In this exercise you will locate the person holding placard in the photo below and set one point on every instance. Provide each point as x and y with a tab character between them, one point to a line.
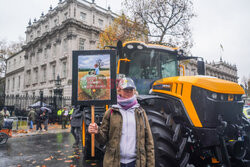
125	130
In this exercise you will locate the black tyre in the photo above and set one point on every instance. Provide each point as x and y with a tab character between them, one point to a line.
170	145
3	138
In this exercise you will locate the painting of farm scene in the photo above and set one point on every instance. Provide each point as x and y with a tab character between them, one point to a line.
94	77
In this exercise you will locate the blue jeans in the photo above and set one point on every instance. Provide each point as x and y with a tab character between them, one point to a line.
131	164
31	124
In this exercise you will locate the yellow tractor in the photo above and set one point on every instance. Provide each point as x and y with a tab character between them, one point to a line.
194	119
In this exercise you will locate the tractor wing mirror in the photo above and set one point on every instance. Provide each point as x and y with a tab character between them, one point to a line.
119	49
201	67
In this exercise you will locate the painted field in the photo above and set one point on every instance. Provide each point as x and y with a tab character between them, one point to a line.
102	93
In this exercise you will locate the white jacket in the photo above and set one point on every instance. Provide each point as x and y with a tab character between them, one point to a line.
128	137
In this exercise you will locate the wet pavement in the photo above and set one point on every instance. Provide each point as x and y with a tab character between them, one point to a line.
43	150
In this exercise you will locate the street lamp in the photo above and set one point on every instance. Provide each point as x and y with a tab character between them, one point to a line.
41	98
58	81
57	93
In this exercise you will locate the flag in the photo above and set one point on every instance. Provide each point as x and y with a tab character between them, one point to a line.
221	47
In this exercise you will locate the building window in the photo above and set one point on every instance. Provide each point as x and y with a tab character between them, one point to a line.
8	85
100	21
14	62
65	15
44	74
55	22
13	84
29	78
83	16
65	45
46	27
50	92
53	72
19	82
36	76
64	69
37	57
81	44
38	33
45	53
54	50
93	19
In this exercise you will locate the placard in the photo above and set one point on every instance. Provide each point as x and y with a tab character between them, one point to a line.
94	76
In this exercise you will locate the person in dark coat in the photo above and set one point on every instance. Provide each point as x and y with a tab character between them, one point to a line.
76	123
45	117
39	119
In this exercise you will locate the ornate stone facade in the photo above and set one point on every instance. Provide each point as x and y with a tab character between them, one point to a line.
72	25
219	69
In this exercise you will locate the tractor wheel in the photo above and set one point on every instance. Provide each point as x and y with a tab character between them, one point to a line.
170	145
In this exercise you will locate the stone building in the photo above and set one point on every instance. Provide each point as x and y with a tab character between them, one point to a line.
72	25
219	69
14	78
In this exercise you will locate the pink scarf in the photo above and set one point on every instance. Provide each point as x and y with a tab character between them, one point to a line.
126	103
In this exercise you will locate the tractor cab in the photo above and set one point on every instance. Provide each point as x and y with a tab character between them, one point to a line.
145	63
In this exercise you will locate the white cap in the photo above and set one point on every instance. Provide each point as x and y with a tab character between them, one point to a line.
126	83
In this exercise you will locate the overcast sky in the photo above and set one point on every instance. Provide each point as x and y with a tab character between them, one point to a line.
225	22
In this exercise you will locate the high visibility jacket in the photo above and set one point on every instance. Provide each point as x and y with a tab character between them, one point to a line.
59	112
246	113
71	111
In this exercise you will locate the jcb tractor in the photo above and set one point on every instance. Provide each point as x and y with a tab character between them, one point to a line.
194	120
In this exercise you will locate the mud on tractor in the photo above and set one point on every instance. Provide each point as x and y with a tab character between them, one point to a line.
194	119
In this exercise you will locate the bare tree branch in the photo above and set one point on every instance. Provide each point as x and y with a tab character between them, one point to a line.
167	20
7	49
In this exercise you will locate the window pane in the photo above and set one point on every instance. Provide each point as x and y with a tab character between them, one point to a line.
81	43
83	16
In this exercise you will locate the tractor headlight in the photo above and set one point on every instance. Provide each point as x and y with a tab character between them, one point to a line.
214	95
222	97
130	46
139	47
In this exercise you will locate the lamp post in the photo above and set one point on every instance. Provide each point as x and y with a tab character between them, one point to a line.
41	98
57	93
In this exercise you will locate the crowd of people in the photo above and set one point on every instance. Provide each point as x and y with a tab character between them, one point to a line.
40	117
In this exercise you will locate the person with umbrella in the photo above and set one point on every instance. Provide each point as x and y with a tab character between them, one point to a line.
39	119
45	113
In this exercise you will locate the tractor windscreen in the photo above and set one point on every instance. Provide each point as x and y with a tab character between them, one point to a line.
148	65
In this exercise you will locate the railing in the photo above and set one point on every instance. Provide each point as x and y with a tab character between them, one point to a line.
21	102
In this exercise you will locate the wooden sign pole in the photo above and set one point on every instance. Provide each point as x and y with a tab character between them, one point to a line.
92	135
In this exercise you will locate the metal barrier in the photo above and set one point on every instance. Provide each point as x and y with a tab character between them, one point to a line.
20	123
